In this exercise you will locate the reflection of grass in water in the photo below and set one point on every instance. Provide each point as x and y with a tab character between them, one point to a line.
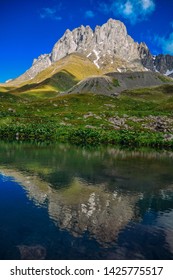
77	192
75	173
35	166
58	179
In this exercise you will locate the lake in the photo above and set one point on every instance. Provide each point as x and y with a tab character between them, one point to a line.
66	202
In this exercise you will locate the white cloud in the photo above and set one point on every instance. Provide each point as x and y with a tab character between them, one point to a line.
128	8
147	4
132	10
166	43
50	13
89	14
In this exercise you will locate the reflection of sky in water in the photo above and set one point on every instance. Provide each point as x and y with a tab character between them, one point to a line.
92	204
165	221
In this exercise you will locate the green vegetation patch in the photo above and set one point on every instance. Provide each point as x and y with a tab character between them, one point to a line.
60	81
115	82
164	79
131	119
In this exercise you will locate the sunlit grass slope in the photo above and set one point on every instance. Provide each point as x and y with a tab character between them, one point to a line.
59	77
77	65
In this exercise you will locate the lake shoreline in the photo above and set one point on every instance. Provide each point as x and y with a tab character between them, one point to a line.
85	136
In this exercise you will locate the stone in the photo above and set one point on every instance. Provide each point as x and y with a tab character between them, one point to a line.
36	252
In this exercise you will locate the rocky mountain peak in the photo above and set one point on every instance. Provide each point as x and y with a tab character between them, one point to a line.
109	47
42	58
115	24
38	65
157	63
146	57
102	46
164	64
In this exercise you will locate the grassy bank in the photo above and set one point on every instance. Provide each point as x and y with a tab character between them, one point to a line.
84	136
141	117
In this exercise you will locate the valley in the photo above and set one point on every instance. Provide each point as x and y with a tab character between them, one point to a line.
86	133
93	88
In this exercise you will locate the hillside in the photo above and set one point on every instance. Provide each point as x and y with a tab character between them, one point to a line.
114	83
98	84
77	74
140	117
58	77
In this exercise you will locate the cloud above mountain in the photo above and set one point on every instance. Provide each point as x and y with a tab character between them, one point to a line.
165	42
50	13
131	10
89	14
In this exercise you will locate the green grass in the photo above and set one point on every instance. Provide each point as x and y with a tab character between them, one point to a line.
48	88
115	82
75	65
86	118
164	79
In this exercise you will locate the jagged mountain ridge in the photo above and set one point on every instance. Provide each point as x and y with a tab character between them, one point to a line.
156	63
102	46
109	47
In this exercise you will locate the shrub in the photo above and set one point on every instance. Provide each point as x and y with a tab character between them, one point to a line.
84	136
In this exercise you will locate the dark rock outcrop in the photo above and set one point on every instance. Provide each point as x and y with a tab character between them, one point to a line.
158	63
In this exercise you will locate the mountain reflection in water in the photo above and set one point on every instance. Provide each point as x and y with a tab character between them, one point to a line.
121	200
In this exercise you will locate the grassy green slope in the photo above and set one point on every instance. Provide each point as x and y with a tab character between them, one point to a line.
48	88
137	117
75	64
159	99
60	76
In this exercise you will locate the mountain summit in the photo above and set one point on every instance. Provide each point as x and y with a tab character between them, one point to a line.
107	44
109	47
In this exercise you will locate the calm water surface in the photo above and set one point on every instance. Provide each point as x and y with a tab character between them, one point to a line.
63	202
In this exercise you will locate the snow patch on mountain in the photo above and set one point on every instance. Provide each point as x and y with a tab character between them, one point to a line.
168	72
97	58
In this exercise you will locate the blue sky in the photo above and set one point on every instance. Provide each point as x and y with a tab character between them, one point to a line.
29	28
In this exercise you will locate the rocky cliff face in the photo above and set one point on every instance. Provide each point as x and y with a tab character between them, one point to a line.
103	46
109	47
38	65
146	57
164	64
159	63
